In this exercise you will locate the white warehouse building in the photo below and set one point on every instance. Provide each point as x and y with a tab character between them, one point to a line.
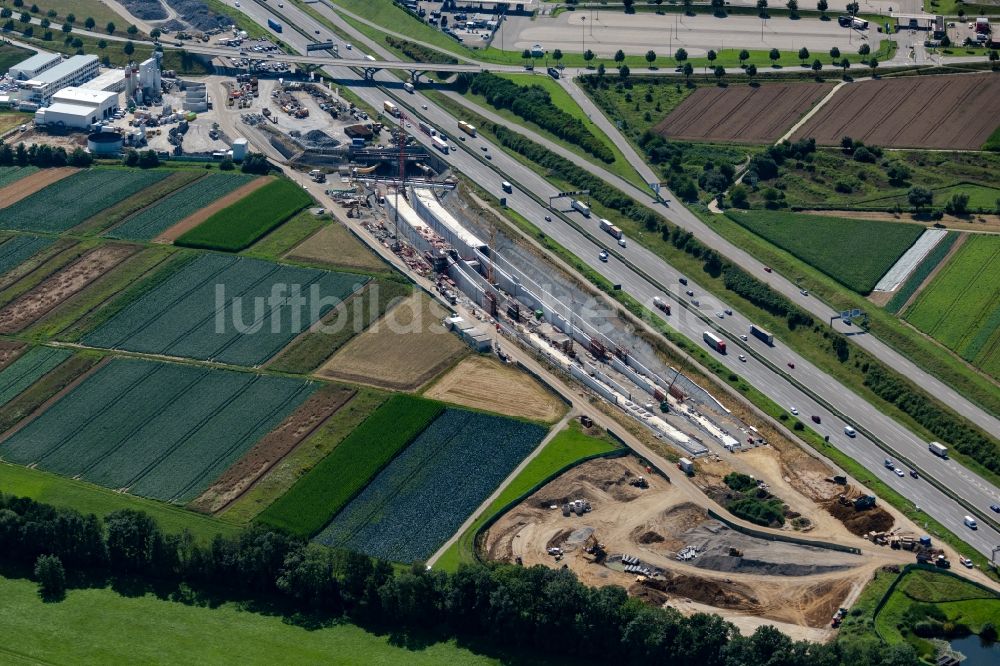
78	108
33	66
71	72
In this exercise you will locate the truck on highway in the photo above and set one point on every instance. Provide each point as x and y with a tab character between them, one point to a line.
467	128
427	129
440	144
610	228
408	87
507	187
582	207
938	449
762	335
390	108
274	25
715	342
661	305
859	24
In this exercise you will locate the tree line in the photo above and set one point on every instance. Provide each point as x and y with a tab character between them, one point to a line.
43	156
537	610
534	104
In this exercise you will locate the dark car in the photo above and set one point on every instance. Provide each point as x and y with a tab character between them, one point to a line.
995	507
816	418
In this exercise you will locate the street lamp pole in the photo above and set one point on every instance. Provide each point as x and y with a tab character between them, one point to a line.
583	33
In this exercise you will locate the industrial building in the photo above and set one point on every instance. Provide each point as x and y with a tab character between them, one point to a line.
78	108
33	66
71	72
112	80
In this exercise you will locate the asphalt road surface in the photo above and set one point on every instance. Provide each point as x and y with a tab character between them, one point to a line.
489	174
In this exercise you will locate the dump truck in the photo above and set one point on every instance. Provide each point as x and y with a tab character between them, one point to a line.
938	449
715	342
467	128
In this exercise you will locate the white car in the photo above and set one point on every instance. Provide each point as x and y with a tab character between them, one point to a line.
621	242
743	358
603	256
424	107
900	473
850	432
720	315
966	562
794	411
743	338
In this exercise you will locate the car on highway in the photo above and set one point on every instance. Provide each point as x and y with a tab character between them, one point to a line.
621	242
424	107
804	292
768	269
995	507
728	312
794	411
682	280
816	419
850	432
603	256
900	473
743	358
548	218
483	148
317	32
914	474
720	315
791	365
743	338
695	302
689	292
488	156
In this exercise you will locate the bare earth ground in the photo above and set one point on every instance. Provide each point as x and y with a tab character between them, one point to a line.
9	350
30	184
772	580
277	444
741	113
60	286
403	350
484	383
334	245
192	221
911	112
979	222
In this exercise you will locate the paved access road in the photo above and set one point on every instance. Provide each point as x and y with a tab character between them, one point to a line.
489	173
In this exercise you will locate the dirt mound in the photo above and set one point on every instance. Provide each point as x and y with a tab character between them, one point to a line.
147	10
735	596
650	537
199	16
823	600
861	523
558	538
732	564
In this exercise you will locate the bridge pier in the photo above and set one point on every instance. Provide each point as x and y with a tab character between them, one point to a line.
415	75
370	72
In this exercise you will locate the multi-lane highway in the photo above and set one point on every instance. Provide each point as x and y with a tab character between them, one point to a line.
643	275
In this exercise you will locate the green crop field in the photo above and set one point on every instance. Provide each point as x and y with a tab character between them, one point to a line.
171	209
182	315
12	174
87	628
854	252
279	242
240	225
961	307
88	498
569	446
68	202
321	493
17	249
27	369
162	430
920	273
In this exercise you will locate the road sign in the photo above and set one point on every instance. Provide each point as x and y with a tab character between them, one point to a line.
319	46
571	194
846	314
856	313
656	187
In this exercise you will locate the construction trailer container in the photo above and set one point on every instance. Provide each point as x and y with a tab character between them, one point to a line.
610	228
582	207
440	144
938	449
467	128
685	466
390	108
761	334
715	342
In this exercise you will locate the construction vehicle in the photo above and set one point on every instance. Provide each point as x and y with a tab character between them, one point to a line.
639	482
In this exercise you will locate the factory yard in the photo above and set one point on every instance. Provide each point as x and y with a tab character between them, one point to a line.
483	383
608	31
403	350
742	114
943	112
702	561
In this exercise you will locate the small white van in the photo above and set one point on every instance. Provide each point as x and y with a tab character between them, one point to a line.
849	431
970	522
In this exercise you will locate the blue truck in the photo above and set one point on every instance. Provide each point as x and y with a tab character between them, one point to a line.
274	25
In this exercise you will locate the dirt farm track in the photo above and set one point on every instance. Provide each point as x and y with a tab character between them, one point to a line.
741	114
954	111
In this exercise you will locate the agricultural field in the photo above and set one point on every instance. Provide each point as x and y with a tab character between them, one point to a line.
331	484
72	200
742	114
182	316
910	112
152	221
289	235
961	306
424	495
48	385
10	55
403	350
158	430
920	273
482	382
144	198
571	445
335	246
32	183
11	174
855	252
18	248
241	224
27	369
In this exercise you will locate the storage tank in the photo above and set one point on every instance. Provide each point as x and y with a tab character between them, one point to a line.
104	143
239	149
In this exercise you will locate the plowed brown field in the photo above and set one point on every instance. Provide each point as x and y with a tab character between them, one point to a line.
742	114
956	111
